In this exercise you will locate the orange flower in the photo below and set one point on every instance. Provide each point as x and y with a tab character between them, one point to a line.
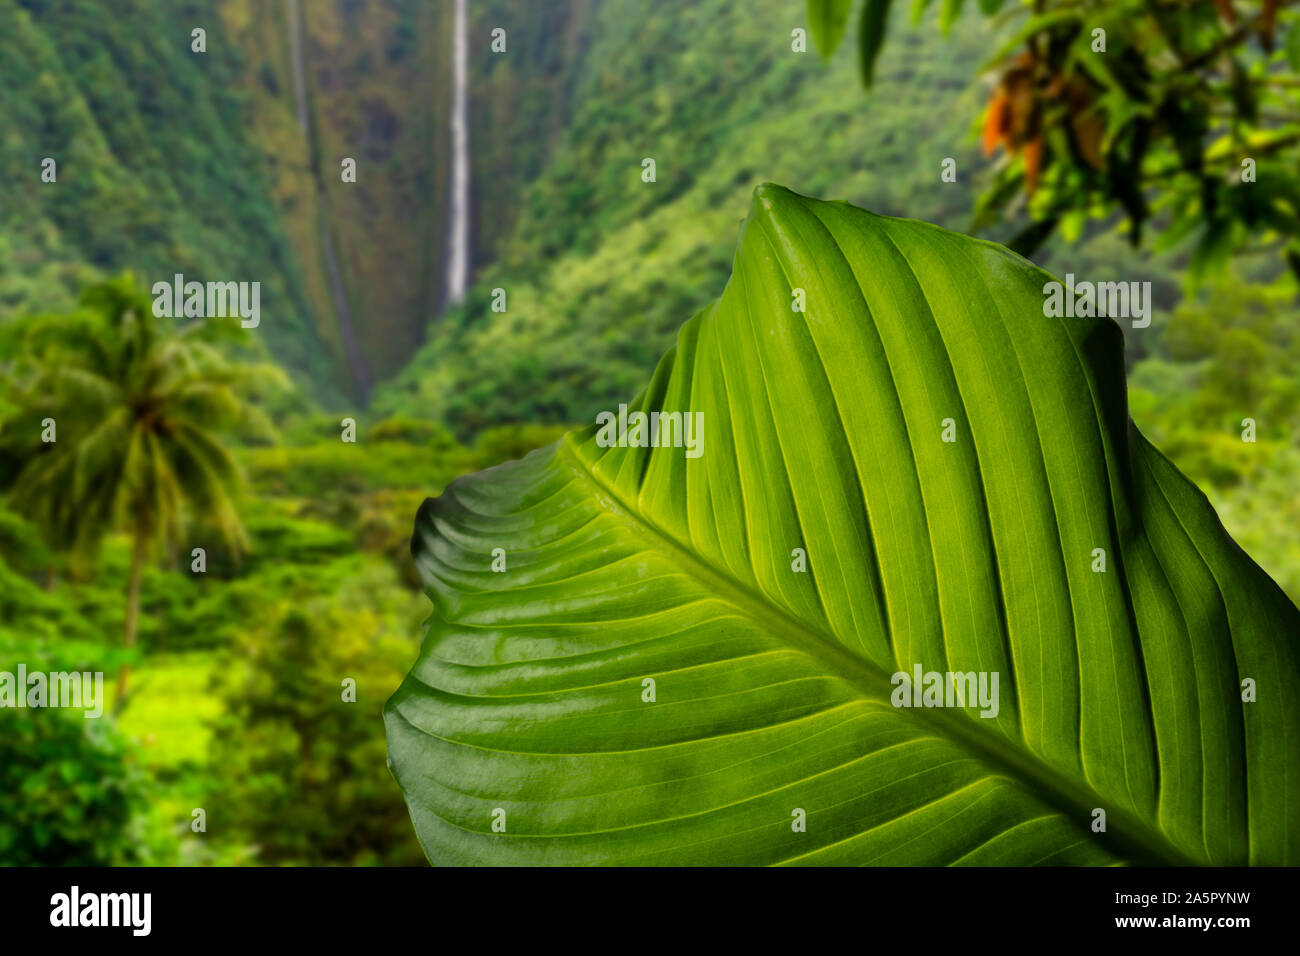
995	123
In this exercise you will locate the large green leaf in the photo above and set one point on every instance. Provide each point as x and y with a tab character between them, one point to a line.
1120	689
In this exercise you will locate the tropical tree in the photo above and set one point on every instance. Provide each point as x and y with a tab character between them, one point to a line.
114	421
1181	114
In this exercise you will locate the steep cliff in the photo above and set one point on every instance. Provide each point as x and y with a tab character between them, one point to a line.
228	163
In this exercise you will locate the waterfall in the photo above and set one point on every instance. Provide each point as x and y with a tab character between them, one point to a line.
458	235
295	50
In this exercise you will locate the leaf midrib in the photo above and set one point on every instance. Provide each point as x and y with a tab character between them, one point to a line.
1127	835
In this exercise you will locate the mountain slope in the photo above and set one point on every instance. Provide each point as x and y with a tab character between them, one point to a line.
155	170
176	161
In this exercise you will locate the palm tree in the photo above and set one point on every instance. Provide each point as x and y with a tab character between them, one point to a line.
138	406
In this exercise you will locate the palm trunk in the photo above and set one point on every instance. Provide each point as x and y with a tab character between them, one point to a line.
132	609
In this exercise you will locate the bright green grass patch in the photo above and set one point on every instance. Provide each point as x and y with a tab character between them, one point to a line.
171	709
